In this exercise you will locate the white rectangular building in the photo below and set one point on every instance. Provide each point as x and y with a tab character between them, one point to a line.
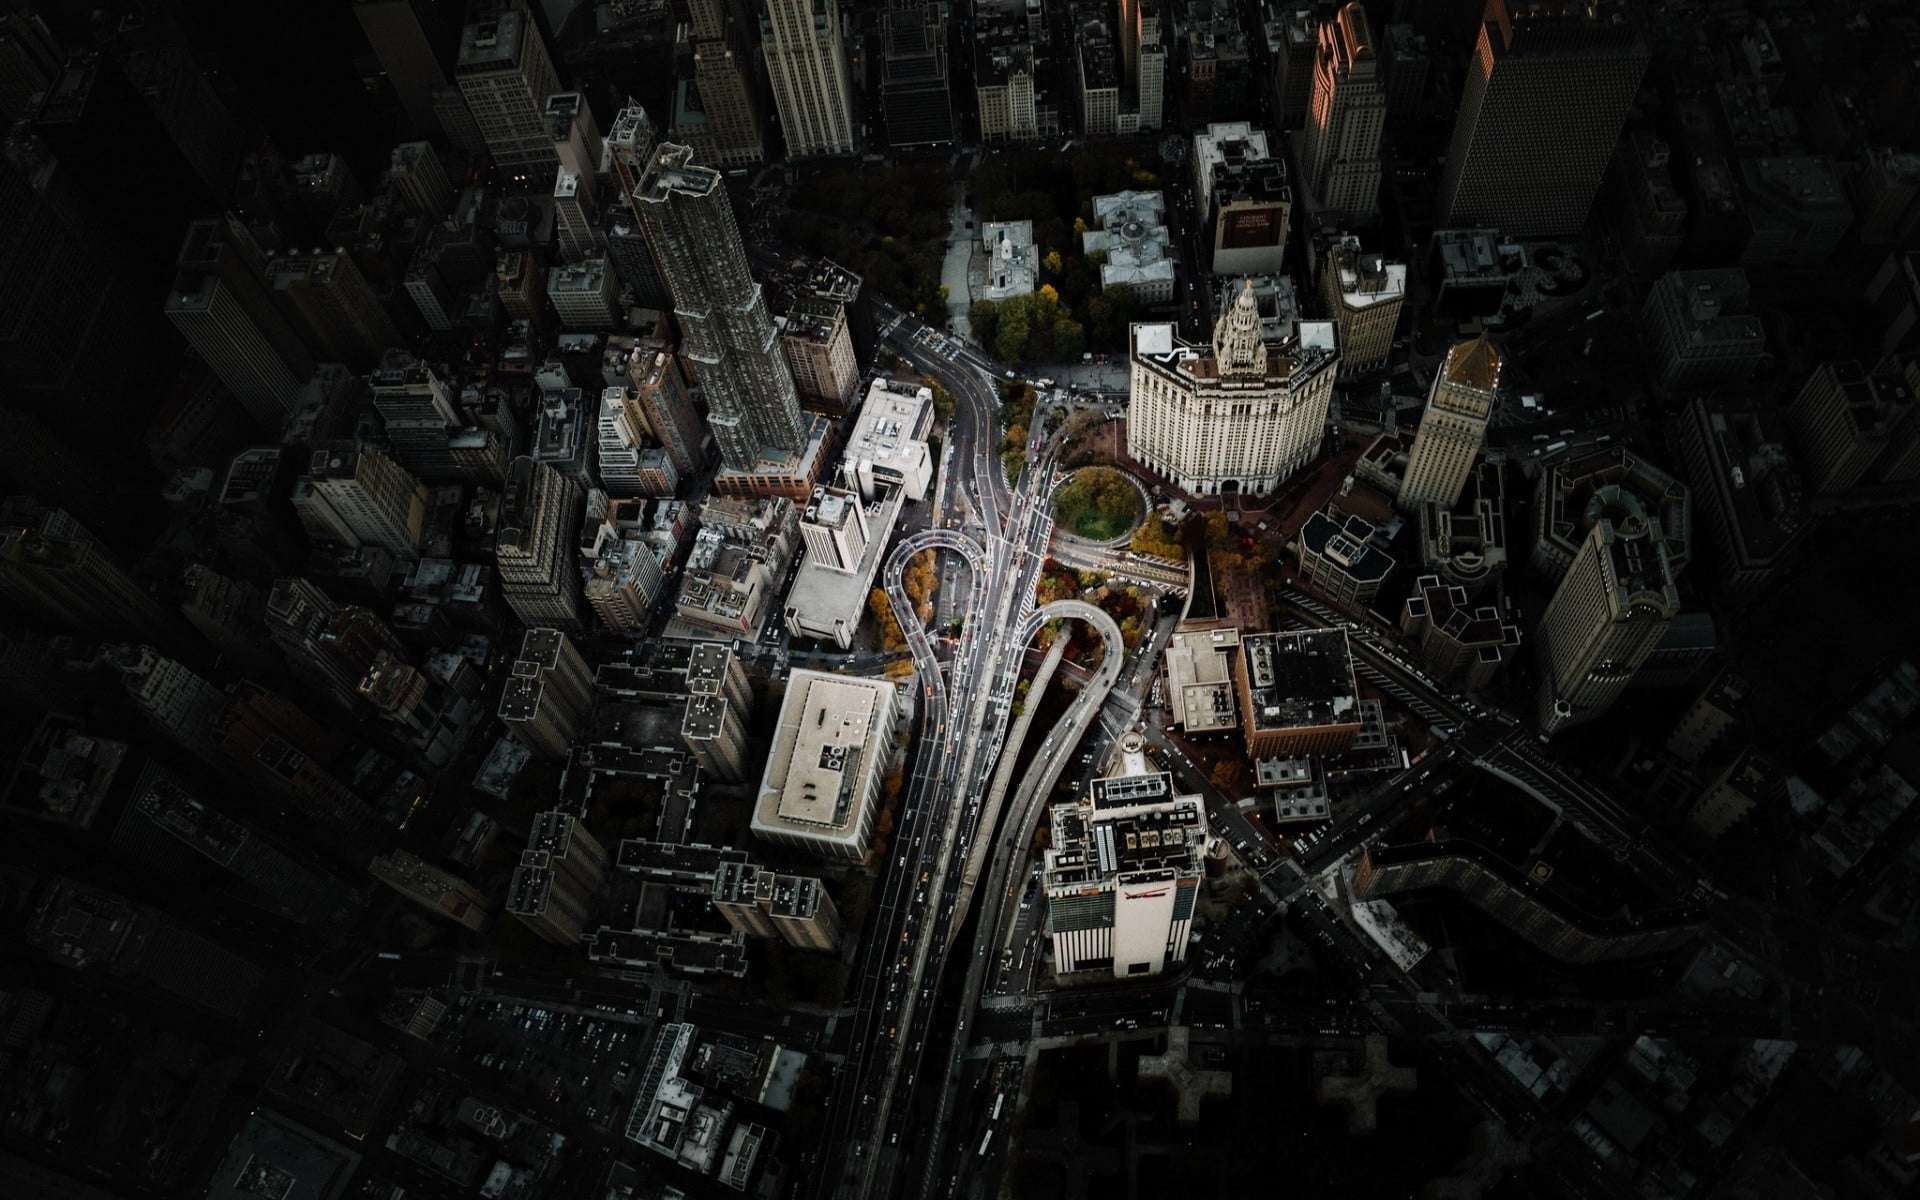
888	445
822	789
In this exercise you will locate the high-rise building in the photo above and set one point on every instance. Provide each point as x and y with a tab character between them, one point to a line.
821	791
1609	612
1098	64
1236	416
1240	193
631	463
1702	331
406	37
914	89
729	120
533	550
230	613
1122	871
583	294
819	350
1462	644
270	743
658	388
624	570
1582	485
760	903
505	75
450	107
1363	293
329	303
1293	64
30	60
418	410
53	567
550	695
1845	417
1004	89
560	877
414	174
180	703
801	42
1747	489
1339	558
1341	155
328	646
1404	65
1454	426
1522	158
220	305
440	892
726	332
1714	714
370	494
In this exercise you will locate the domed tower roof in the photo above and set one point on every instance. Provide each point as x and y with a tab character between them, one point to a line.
1237	347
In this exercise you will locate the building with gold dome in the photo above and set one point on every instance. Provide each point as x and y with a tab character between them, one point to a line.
1236	416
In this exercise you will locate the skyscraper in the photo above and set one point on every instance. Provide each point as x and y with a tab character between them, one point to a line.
729	126
433	889
1608	614
183	705
560	876
1363	294
221	306
1524	158
404	36
1845	417
1453	427
726	331
372	495
533	551
808	63
1236	416
549	697
506	76
329	303
1342	154
417	409
51	566
914	93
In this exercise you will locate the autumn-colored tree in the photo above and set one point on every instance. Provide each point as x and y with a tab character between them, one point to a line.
891	636
1051	263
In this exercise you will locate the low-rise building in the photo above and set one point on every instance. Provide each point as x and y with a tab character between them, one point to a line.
1133	237
1339	559
1199	680
1013	260
1297	693
846	543
1299	789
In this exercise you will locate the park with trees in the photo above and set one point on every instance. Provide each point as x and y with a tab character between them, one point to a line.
1097	503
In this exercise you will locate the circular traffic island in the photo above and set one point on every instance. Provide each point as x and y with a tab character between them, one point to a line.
1099	504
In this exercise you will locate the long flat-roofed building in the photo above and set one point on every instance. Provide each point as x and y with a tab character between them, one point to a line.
1199	679
1123	870
761	903
1237	416
821	792
1297	693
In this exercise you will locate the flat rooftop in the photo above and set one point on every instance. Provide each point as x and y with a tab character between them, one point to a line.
1299	679
825	726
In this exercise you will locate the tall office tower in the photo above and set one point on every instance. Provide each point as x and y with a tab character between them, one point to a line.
253	521
576	135
372	495
463	132
1097	66
718	110
30	60
1454	426
1845	417
230	613
52	567
658	386
506	76
1148	74
821	789
163	805
533	551
328	302
623	574
1703	330
219	304
271	743
521	285
158	59
1240	191
584	294
1363	293
726	332
415	174
630	463
1003	88
1463	644
914	91
418	412
633	258
324	186
180	703
802	45
440	892
819	350
834	526
715	730
1748	491
1236	416
1405	65
328	646
1122	872
406	37
1293	66
425	714
759	903
549	697
561	874
1342	151
1522	158
1607	616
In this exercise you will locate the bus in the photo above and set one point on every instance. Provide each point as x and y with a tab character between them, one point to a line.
985	1142
997	1102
